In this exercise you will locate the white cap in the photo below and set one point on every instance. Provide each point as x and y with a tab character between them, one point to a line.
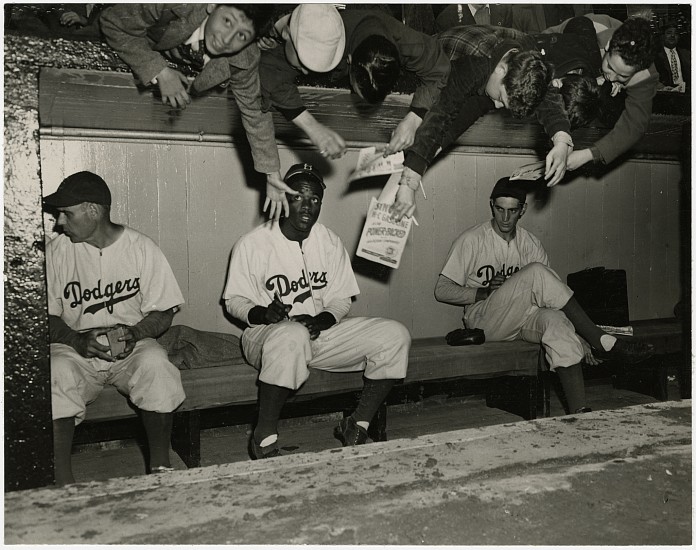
318	35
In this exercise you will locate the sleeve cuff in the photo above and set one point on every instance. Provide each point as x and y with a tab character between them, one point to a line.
420	111
291	114
415	162
596	156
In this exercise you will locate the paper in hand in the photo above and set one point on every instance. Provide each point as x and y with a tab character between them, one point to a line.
372	163
383	240
532	171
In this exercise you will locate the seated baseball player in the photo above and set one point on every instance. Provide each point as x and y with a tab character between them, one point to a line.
367	51
500	273
216	45
105	279
292	283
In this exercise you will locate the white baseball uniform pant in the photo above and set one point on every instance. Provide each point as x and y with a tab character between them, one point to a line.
527	307
146	376
284	353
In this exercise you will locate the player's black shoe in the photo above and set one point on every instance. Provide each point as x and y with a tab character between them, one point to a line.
257	452
629	351
349	433
582	410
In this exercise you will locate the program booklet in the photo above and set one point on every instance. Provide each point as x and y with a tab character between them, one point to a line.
383	240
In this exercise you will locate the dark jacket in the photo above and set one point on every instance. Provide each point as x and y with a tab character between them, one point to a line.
664	67
454	15
419	54
482	41
462	101
535	16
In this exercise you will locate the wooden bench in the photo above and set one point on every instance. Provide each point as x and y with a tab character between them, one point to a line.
430	359
650	377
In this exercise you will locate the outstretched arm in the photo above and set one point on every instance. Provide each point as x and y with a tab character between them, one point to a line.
330	143
633	122
456	110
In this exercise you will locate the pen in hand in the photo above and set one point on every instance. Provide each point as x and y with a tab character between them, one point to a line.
276	297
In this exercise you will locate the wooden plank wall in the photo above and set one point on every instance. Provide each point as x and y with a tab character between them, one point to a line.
194	201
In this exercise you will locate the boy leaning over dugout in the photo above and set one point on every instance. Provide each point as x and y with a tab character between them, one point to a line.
376	48
619	55
575	45
510	77
218	43
627	54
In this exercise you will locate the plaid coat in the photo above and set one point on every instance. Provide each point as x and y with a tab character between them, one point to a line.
462	101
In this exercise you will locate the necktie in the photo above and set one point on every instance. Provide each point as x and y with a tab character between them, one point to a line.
483	16
675	65
193	57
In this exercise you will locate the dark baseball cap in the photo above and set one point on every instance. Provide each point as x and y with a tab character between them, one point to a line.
78	188
306	170
506	188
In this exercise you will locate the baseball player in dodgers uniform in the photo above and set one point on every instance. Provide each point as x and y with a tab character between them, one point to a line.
292	283
500	274
103	275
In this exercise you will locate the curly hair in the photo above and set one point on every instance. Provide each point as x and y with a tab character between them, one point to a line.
526	81
634	43
375	67
581	98
261	15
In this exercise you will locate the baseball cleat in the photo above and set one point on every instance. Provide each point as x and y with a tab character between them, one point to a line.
349	433
629	351
257	452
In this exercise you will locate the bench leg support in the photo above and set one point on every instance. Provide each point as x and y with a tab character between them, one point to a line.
186	437
514	394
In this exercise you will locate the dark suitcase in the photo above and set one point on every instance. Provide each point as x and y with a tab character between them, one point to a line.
603	294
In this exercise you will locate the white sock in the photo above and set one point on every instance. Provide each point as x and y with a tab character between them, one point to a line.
363	424
269	440
607	341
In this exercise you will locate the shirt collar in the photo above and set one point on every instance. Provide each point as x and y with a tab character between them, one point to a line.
195	39
473	10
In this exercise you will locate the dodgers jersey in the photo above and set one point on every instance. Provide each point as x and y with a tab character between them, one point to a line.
308	275
480	253
91	288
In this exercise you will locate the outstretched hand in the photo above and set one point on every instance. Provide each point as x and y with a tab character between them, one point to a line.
276	198
405	200
556	163
404	134
173	87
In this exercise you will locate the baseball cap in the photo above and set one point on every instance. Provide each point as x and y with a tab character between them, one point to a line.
306	169
318	36
506	188
78	188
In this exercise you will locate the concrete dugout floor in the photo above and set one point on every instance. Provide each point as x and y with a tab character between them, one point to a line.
610	477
